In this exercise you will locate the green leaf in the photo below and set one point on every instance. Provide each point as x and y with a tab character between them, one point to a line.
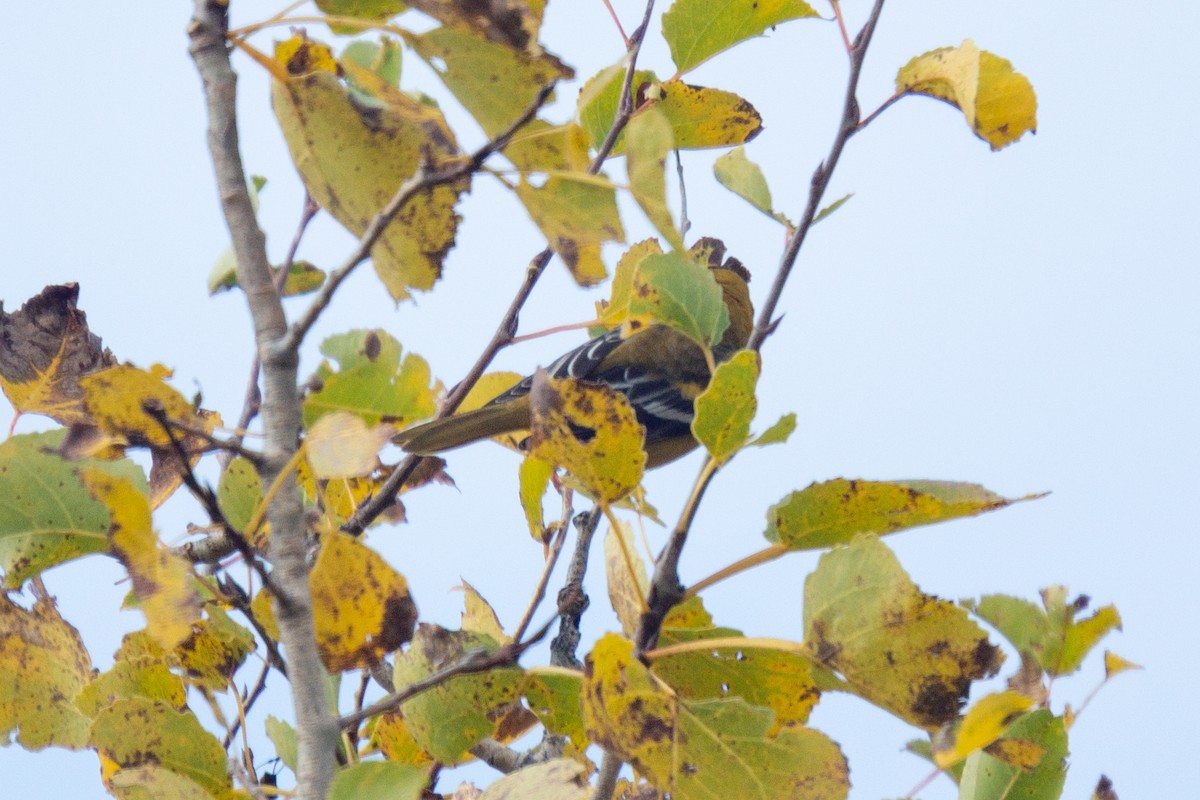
379	780
833	512
726	408
40	528
134	732
494	82
905	651
453	717
685	296
372	381
649	140
986	777
534	478
702	748
998	102
239	493
762	676
283	736
744	178
777	433
553	693
697	30
832	207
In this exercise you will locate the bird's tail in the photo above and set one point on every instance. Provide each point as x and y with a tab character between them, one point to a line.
462	429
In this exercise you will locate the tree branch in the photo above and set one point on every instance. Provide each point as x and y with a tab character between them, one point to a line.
820	179
316	728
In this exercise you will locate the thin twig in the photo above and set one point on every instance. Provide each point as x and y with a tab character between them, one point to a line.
625	106
606	780
685	224
229	446
620	29
539	592
851	118
246	704
422	181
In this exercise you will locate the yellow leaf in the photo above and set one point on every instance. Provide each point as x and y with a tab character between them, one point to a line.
701	117
353	159
985	722
162	582
480	617
627	282
590	431
998	103
361	606
534	478
1114	664
115	399
390	735
627	588
576	213
43	664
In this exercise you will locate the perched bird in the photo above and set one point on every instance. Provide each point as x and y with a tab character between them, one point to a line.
660	370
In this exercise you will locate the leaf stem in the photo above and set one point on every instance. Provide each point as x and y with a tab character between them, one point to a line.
764	556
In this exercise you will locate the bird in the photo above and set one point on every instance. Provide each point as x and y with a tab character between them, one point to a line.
660	371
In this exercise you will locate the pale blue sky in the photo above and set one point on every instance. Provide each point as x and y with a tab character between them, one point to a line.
1027	320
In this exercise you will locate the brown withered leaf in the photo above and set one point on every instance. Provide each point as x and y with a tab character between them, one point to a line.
45	348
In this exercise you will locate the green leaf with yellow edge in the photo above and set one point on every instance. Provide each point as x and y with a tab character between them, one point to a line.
152	782
390	735
702	118
362	609
542	147
382	58
379	780
576	214
239	493
628	583
696	30
361	9
372	381
454	716
114	399
706	748
777	433
40	529
835	511
986	777
1052	636
215	650
283	736
559	779
985	722
744	178
648	140
627	281
134	732
162	581
905	651
998	103
762	676
341	445
479	616
143	676
43	664
494	82
533	479
353	158
726	408
553	693
590	431
683	295
598	101
48	348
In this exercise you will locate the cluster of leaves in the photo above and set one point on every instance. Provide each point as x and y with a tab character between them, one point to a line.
705	711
